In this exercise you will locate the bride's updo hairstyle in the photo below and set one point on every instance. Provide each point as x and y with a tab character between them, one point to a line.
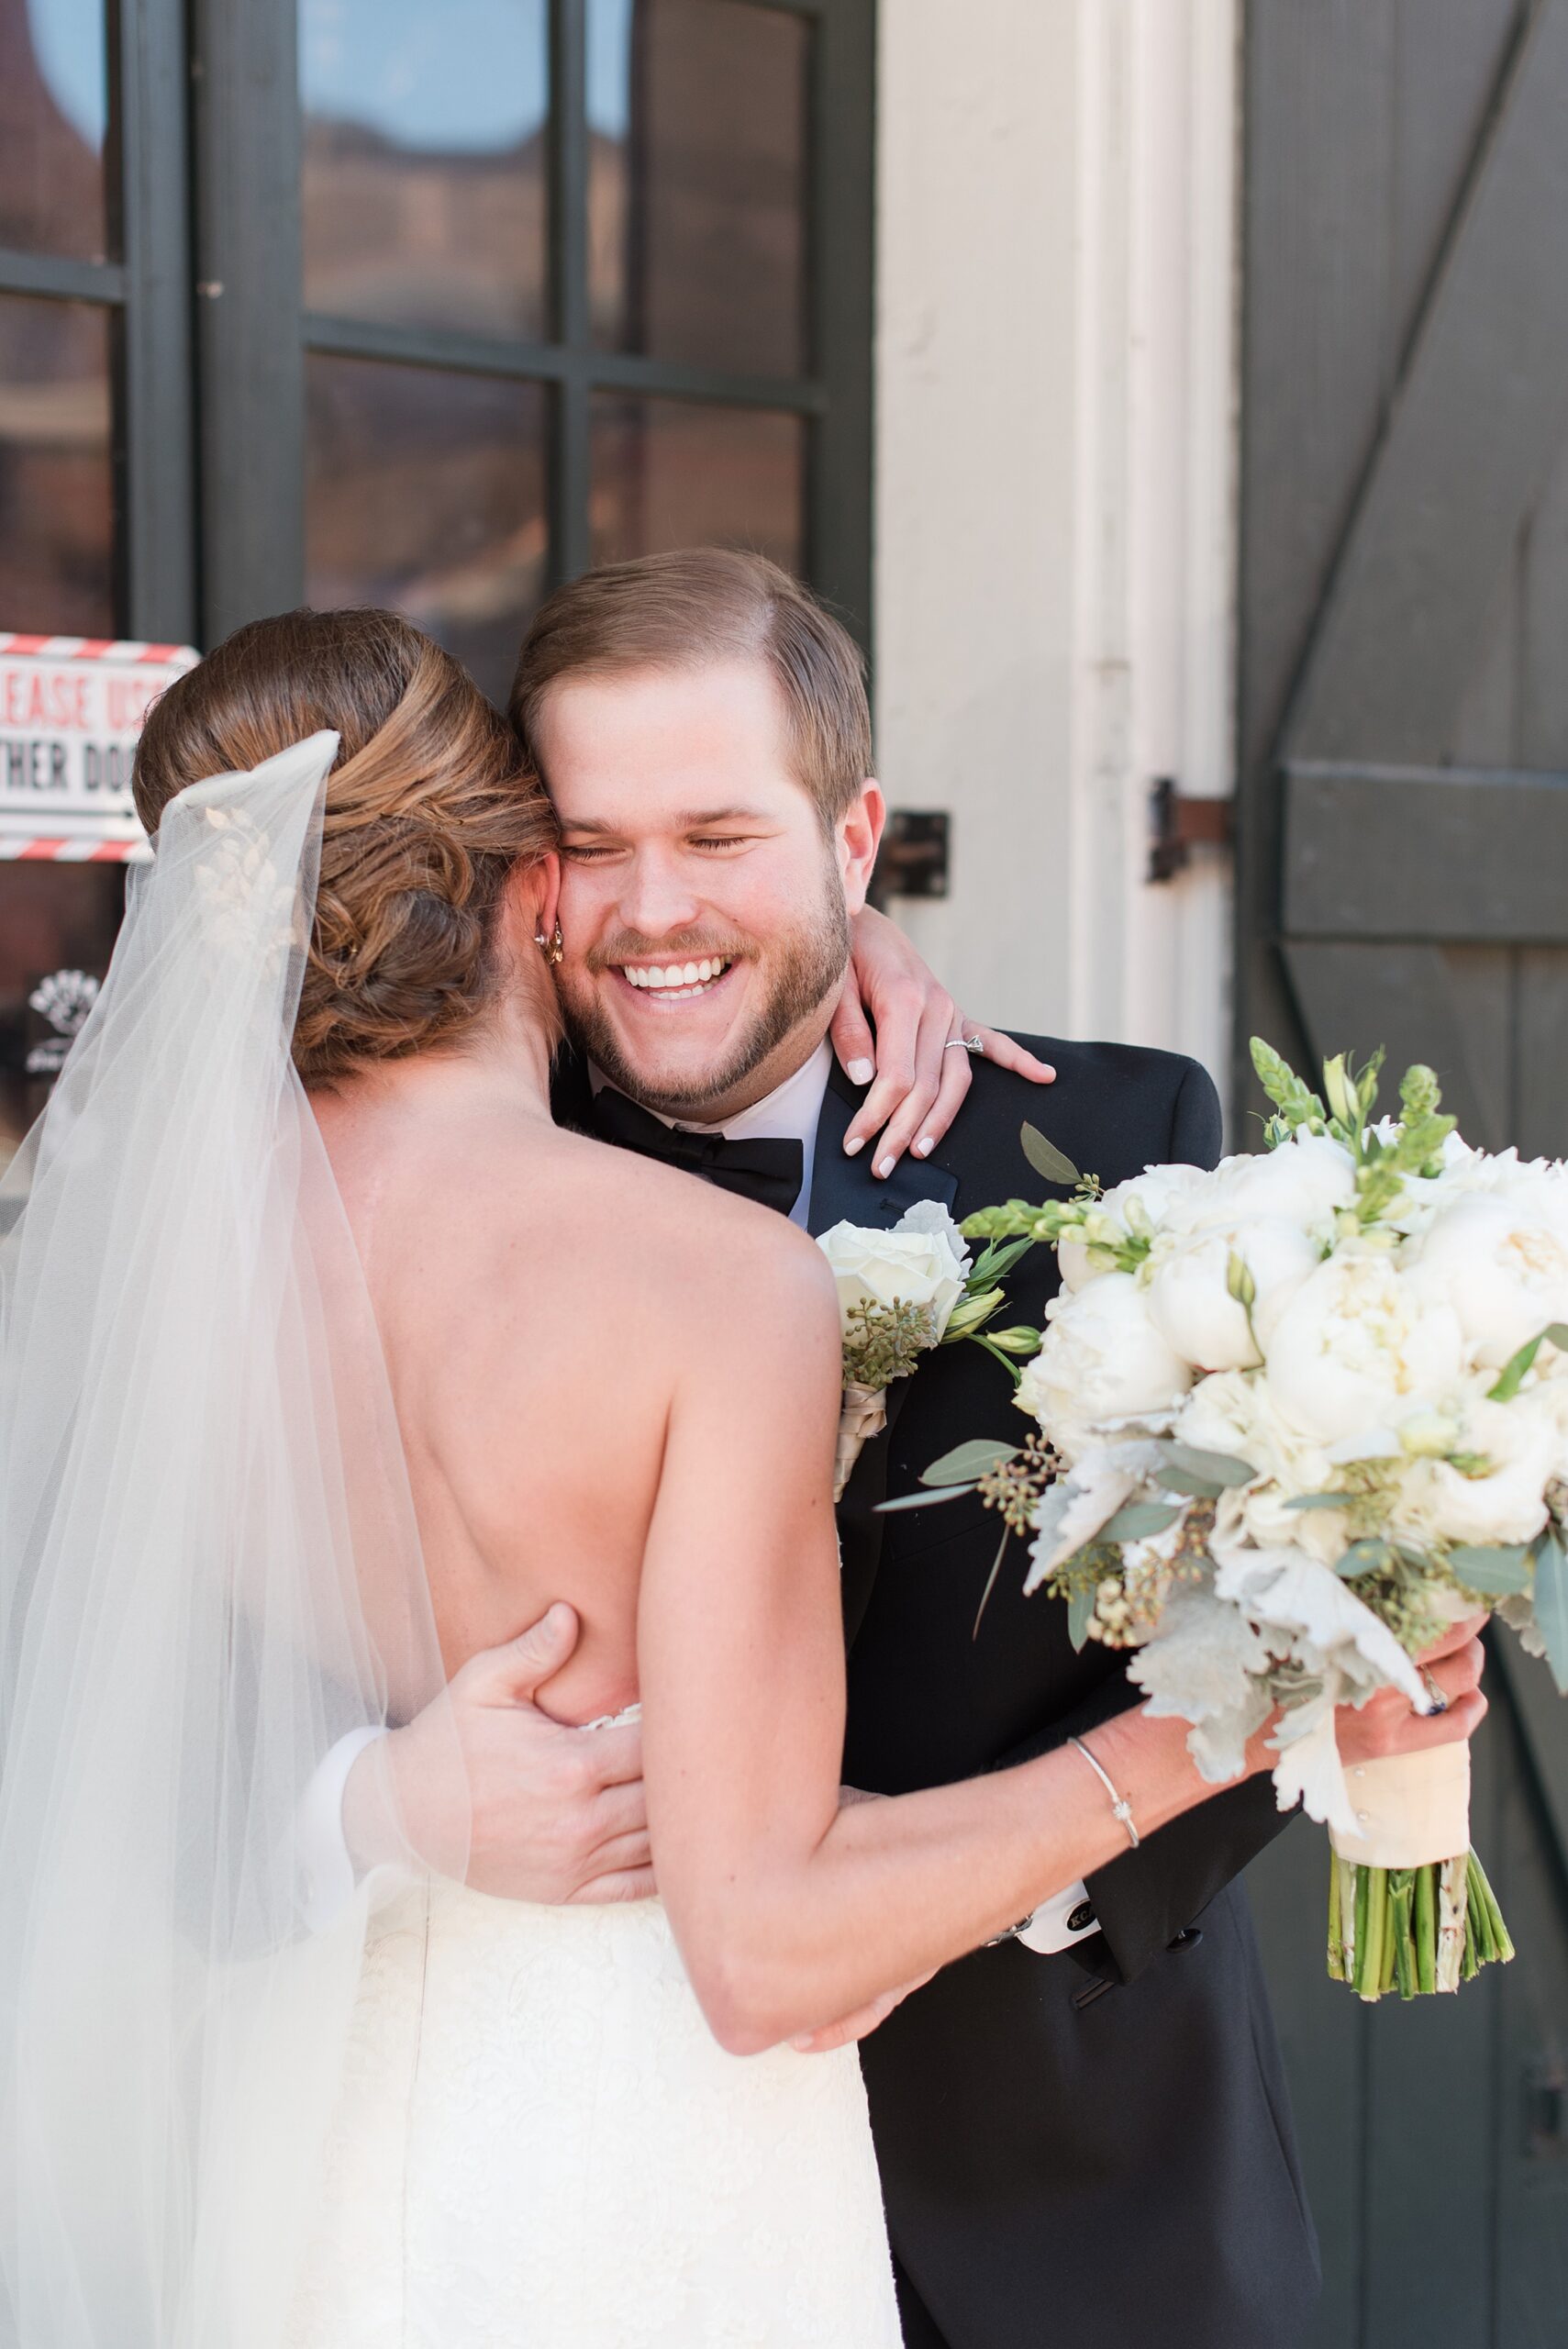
429	804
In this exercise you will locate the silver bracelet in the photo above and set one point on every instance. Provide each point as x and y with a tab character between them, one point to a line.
1120	1806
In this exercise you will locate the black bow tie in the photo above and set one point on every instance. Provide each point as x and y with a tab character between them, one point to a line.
763	1167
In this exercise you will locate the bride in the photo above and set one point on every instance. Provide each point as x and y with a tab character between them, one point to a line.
328	1359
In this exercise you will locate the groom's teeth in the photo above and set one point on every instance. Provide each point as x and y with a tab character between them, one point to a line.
675	976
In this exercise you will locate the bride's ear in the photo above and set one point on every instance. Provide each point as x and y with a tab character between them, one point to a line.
531	901
546	878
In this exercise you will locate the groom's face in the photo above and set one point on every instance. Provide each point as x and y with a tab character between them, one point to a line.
704	908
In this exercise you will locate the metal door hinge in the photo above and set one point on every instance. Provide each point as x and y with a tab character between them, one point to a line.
1178	824
913	858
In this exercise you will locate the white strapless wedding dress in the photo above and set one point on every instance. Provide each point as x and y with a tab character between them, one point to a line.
539	2145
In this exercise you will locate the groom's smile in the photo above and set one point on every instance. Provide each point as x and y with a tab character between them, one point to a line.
705	906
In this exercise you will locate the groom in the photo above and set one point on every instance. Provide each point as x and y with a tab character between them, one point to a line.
1081	2133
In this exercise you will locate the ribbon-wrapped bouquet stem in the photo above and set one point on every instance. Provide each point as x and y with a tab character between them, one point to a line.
1297	1417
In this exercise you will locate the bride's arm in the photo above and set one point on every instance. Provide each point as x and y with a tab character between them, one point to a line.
791	1911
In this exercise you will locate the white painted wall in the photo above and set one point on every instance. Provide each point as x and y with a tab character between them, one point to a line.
1054	495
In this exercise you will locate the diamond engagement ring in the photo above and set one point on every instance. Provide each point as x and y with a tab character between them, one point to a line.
965	1044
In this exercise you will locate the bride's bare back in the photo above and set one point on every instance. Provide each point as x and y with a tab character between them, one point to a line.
539	1296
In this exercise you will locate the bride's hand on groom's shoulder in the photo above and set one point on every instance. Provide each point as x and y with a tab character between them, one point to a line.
892	1031
549	1814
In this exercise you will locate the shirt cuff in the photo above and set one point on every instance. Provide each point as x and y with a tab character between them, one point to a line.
327	1877
1067	1917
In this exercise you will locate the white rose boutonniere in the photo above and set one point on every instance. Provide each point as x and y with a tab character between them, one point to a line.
901	1293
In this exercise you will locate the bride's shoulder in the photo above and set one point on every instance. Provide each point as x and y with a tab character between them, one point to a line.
717	1263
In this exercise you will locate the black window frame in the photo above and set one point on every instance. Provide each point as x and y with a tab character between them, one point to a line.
253	333
147	295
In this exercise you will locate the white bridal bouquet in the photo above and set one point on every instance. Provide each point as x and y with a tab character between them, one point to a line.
1296	1418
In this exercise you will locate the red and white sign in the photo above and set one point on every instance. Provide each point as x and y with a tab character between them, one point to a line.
71	709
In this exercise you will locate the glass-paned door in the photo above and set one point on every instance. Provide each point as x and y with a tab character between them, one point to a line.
577	280
61	288
97	537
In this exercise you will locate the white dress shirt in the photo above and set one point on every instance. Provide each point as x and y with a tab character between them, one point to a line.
793	1111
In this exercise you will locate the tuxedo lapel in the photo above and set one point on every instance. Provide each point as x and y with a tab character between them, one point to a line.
844	1190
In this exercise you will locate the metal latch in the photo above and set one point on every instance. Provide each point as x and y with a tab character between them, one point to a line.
1178	824
913	858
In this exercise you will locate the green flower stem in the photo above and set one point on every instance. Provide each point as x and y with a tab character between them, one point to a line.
1426	1932
1401	1906
1417	1930
1501	1937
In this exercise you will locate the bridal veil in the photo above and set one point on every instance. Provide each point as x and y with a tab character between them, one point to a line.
210	1573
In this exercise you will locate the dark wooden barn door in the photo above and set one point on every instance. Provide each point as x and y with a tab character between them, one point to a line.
1403	879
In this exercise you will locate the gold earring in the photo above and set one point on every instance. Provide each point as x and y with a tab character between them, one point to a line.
552	949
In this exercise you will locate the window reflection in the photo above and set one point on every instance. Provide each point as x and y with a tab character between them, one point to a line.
427	492
52	917
697	114
56	486
53	112
425	185
683	473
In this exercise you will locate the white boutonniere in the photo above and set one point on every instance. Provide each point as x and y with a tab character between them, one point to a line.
901	1293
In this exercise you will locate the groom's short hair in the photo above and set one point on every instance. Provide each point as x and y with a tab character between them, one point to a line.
701	605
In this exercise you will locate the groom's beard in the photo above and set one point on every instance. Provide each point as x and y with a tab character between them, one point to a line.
803	971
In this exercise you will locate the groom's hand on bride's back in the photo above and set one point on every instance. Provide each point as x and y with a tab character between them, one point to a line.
551	1813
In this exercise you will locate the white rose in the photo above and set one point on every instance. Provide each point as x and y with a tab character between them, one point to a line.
1524	1441
1102	1360
1503	1270
921	1262
1359	1346
1306	1181
1189	1290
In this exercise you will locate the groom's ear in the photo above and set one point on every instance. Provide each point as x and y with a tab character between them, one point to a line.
857	836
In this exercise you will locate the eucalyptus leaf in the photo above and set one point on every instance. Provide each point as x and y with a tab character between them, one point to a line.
1320	1500
1492	1569
1221	1468
924	1500
1138	1520
1080	1611
1052	1164
968	1461
1195	1488
1363	1558
1552	1604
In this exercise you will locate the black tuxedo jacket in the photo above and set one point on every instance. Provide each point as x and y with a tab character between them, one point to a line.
1092	2148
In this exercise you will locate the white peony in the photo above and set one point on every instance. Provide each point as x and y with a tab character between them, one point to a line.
1237	1415
1189	1291
1503	1270
1102	1360
1359	1345
1523	1441
921	1262
1138	1205
1306	1181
